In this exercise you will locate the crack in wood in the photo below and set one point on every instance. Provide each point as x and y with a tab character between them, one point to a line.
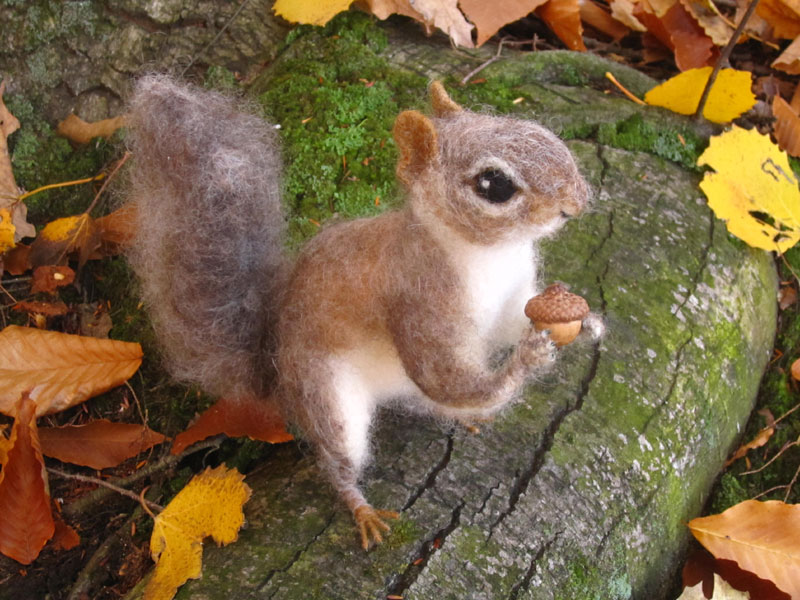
523	584
430	480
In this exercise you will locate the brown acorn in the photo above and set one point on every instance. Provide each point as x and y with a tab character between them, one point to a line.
559	311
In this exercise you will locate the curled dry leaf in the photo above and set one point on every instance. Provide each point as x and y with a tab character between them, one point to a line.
787	126
26	522
8	186
251	417
708	17
782	15
762	537
50	278
761	438
789	60
79	131
593	15
787	296
564	18
210	505
59	369
99	444
623	11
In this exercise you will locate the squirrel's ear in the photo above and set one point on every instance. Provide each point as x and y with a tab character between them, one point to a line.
417	141
443	105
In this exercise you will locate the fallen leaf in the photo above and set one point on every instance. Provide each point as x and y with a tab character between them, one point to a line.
250	417
64	537
789	59
787	126
79	131
762	437
708	17
99	444
117	229
753	189
730	96
17	261
310	12
762	537
564	18
783	15
383	9
593	15
210	505
7	231
622	11
488	20
795	370
65	236
94	320
701	566
50	278
48	309
787	296
8	186
26	522
59	369
722	591
444	15
678	30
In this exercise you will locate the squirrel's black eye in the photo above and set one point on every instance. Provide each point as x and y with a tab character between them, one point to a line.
495	186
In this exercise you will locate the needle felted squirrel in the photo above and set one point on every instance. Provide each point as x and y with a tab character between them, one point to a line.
408	307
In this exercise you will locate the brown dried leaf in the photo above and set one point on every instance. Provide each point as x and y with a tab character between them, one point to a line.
79	131
787	126
488	20
787	296
94	320
789	60
592	14
444	15
48	309
678	30
707	16
622	11
254	418
65	537
50	278
60	370
117	229
17	260
761	438
564	18
384	8
26	522
99	444
762	537
795	370
64	236
8	125
783	15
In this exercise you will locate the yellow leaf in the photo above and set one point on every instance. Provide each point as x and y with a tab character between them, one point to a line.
310	12
209	505
60	370
730	95
762	537
63	236
7	230
753	190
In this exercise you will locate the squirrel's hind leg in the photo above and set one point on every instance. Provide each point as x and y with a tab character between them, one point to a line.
336	413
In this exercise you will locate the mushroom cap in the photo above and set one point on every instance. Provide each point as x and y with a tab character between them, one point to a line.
556	305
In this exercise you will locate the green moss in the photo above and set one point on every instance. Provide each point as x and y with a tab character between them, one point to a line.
220	78
682	146
336	130
587	582
728	492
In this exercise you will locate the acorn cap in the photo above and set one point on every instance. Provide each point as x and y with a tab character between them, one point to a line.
556	305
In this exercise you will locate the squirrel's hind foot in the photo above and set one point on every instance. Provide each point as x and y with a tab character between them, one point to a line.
371	522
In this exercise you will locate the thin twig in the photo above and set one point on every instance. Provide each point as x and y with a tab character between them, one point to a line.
723	59
482	66
770	490
216	37
791	483
786	414
53	186
111	175
167	461
786	446
101	482
627	93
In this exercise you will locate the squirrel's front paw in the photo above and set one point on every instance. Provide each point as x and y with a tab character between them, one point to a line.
371	522
537	349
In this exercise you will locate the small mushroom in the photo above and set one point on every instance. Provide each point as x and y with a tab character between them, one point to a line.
559	311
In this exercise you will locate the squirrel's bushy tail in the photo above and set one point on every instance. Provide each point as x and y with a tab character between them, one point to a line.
209	248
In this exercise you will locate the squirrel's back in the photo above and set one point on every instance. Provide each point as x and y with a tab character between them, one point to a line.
209	248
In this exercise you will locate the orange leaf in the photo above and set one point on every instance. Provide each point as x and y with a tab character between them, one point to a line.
79	131
789	60
17	260
762	537
701	566
25	519
50	278
796	370
488	20
60	370
761	438
678	30
98	444
65	537
564	18
783	15
592	14
65	236
254	418
117	229
787	126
